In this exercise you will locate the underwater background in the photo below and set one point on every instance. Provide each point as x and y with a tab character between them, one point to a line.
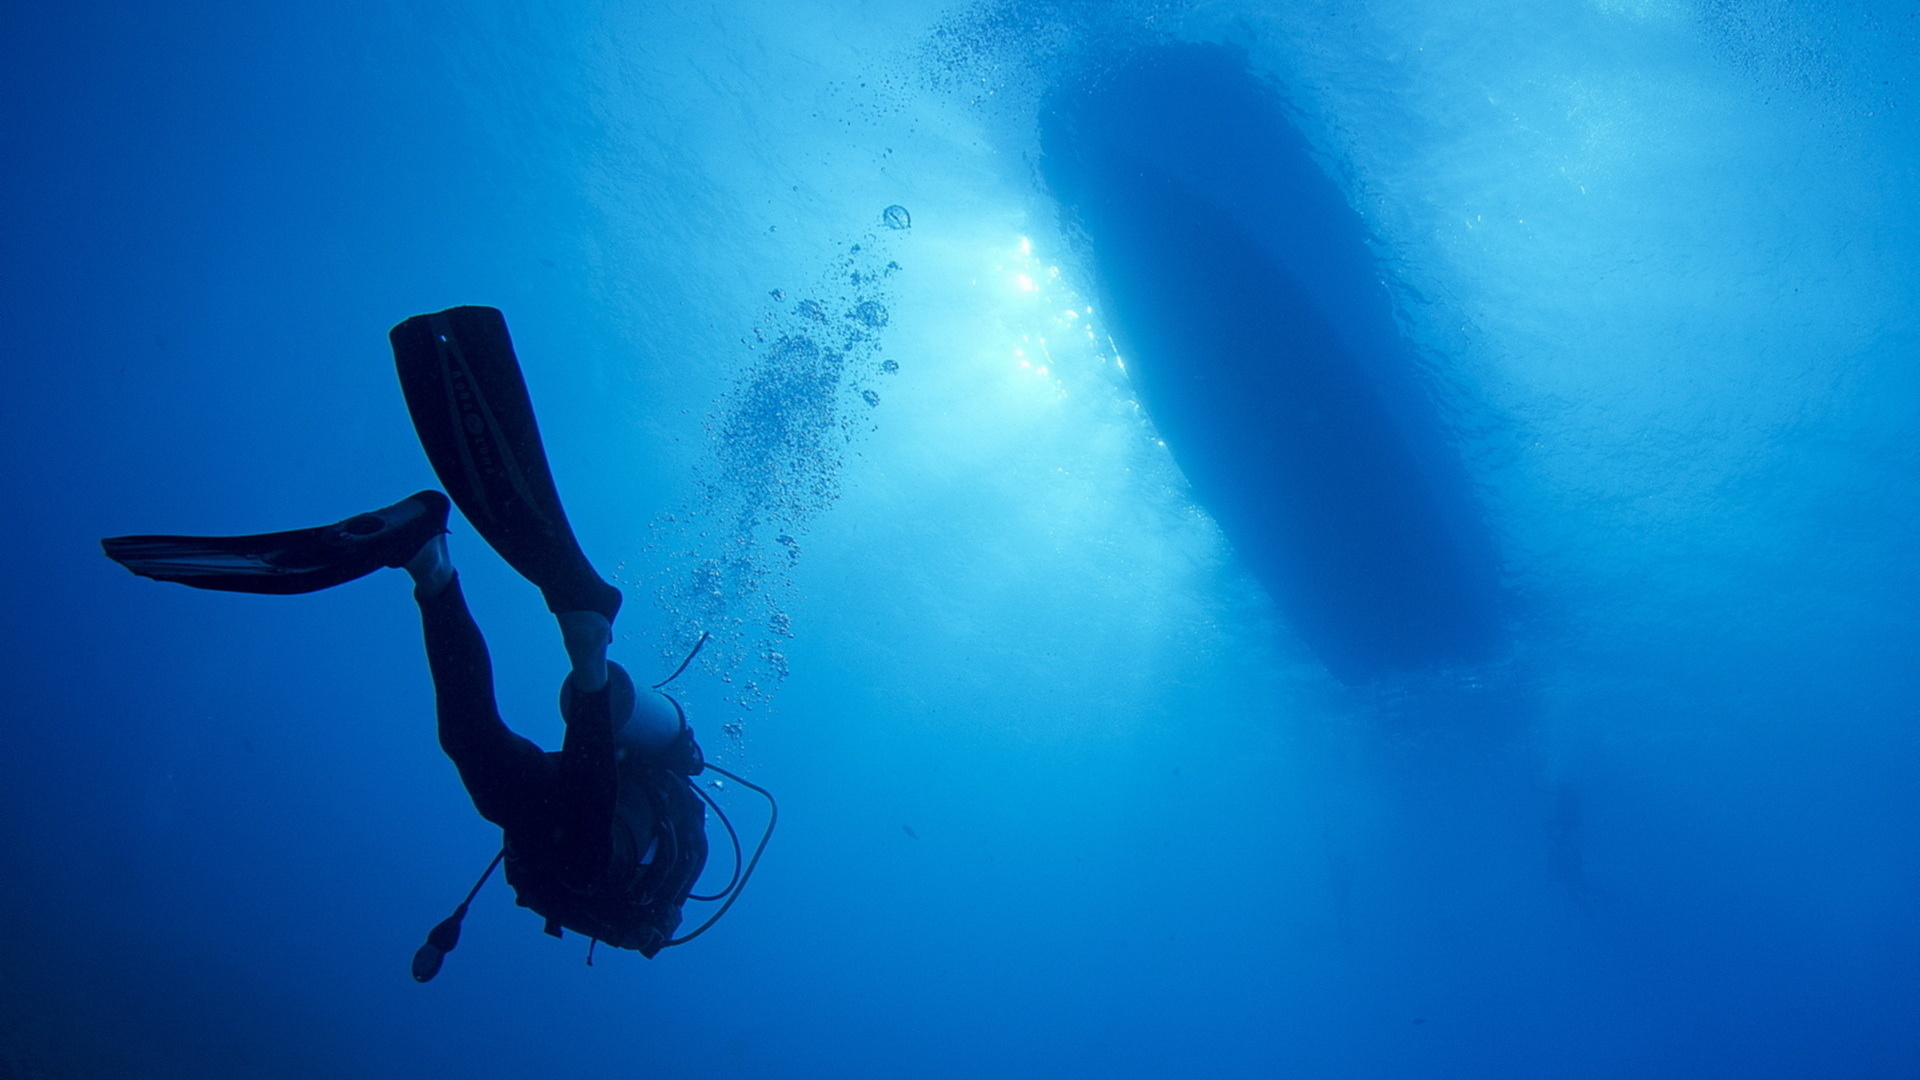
831	364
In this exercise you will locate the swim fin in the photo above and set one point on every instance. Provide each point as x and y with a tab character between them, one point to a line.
296	561
475	420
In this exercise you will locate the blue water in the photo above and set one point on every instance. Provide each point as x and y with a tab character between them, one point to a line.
1067	786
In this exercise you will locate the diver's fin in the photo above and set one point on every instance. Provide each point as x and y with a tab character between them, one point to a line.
297	561
474	418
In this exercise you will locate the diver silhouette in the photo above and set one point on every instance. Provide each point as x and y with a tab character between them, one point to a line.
606	836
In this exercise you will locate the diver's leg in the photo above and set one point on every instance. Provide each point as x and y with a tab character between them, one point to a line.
514	784
651	724
504	773
586	635
431	567
587	784
599	702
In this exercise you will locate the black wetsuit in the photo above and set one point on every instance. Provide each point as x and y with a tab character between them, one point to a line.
601	846
600	840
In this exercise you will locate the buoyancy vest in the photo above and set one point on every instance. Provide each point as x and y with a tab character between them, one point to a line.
660	848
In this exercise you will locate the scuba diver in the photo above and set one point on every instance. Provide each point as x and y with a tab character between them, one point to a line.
605	837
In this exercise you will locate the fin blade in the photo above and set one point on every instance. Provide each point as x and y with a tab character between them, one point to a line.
278	564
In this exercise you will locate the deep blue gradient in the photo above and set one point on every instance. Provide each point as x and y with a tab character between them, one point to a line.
1261	339
1067	790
